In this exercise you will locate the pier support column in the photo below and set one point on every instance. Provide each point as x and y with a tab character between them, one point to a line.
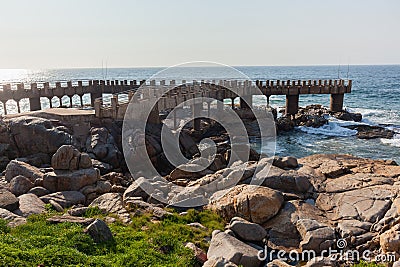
51	103
292	104
34	104
220	104
336	102
233	102
81	99
94	95
196	108
97	108
246	102
154	116
114	106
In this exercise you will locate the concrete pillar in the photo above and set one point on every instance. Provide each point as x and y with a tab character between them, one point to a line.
5	108
81	100
96	94
18	107
233	102
114	106
97	107
249	104
196	108
34	104
292	104
51	103
154	116
336	102
174	115
70	101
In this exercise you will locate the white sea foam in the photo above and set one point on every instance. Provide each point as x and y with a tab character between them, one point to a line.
393	142
330	129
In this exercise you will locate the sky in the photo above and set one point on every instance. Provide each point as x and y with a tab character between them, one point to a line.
137	33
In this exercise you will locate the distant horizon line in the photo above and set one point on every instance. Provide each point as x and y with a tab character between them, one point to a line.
140	67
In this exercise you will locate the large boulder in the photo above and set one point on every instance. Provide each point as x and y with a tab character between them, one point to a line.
59	180
99	231
20	185
68	157
137	189
15	168
226	246
286	181
8	200
48	135
102	146
246	230
254	203
65	198
30	204
282	230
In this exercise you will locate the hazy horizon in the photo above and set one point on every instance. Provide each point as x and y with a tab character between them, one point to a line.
47	34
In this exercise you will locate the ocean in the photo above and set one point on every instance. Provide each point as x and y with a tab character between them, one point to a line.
375	94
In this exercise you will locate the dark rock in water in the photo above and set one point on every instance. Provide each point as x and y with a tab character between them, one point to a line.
347	116
7	200
285	124
371	132
99	231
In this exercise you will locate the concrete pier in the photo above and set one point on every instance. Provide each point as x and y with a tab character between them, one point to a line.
184	91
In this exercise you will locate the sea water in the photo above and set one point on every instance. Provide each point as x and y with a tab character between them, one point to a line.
375	94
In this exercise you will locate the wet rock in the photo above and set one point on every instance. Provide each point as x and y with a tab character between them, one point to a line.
30	204
348	116
20	185
246	230
371	132
15	168
8	200
60	180
285	124
99	231
248	202
227	247
285	162
65	198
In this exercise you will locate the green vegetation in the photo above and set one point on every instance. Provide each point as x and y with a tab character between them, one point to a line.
143	243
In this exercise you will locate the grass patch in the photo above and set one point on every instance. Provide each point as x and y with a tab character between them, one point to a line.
143	243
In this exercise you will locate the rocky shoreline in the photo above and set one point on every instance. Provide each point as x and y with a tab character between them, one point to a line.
303	204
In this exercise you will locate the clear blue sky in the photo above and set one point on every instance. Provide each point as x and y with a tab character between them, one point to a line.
82	33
